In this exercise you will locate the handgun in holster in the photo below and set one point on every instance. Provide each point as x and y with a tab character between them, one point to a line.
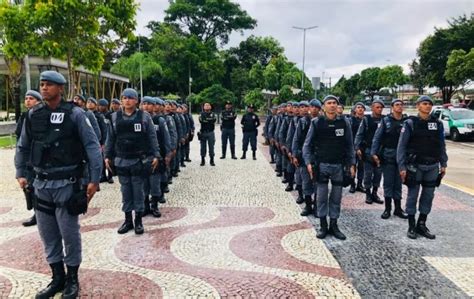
77	204
29	192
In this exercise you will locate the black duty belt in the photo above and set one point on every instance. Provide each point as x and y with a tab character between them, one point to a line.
72	175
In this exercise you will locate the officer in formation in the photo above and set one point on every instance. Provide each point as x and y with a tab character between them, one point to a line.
206	134
300	112
357	114
282	134
91	105
328	152
291	169
174	140
56	139
363	144
190	122
115	105
269	123
103	109
273	136
422	160
80	102
228	117
384	152
32	98
250	123
132	147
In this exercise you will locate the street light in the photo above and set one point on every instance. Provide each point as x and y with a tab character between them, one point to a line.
304	49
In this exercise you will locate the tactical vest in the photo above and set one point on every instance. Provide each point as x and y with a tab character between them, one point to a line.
393	128
55	139
372	124
330	140
160	134
355	123
425	140
131	136
210	119
228	119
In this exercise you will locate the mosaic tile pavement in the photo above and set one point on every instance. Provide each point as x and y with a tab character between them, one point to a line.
232	231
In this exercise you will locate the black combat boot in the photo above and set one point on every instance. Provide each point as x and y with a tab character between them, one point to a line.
285	177
289	187
57	283
71	290
182	164
127	225
232	152
315	207
254	155
203	161
360	188
388	208
147	206
334	230
272	161
164	188
375	196
300	198
187	158
353	188
212	161
138	223
398	209
155	211
323	230
161	198
31	221
421	228
411	227
223	154
244	155
278	171
368	196
308	208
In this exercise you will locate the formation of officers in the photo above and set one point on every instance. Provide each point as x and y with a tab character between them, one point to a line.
66	148
314	143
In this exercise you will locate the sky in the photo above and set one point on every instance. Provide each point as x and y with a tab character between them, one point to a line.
351	35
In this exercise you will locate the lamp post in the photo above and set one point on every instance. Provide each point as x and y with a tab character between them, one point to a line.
304	49
140	66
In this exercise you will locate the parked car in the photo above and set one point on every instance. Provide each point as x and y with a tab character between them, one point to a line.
457	122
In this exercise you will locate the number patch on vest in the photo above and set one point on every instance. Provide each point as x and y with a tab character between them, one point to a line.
138	127
339	132
156	127
432	126
57	118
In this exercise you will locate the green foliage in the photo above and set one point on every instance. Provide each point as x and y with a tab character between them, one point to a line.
417	76
216	95
286	94
209	20
392	76
130	67
460	67
255	49
255	97
369	81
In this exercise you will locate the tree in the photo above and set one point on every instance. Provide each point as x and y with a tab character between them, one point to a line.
369	81
17	39
460	67
255	97
84	32
209	20
417	78
434	51
392	76
256	49
286	94
256	75
216	95
130	67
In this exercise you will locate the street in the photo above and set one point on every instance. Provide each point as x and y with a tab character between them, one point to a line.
460	173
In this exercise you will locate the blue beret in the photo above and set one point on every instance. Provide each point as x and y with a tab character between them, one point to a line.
53	76
130	93
148	100
81	97
283	105
173	102
274	107
103	102
358	104
424	98
315	103
396	100
330	97
378	102
91	99
304	104
35	94
116	101
159	101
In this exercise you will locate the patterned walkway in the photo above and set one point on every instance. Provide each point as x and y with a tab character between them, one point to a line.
232	231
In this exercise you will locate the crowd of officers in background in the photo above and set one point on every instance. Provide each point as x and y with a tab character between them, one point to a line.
314	143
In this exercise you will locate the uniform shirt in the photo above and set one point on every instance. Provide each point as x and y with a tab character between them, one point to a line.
355	123
405	135
89	141
301	130
380	133
179	126
250	122
283	130
228	119
19	125
102	126
191	121
291	132
163	134
267	125
308	152
170	122
207	120
151	134
362	133
94	123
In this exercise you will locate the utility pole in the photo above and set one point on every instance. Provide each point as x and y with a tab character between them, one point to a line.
304	49
140	66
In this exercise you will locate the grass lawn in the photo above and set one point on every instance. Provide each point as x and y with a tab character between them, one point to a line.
7	141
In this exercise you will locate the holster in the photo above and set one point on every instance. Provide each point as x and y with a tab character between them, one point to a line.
410	179
199	136
29	192
346	177
77	204
316	172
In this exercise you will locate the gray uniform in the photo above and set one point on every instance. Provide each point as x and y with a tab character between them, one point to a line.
301	131
131	170
207	120
59	230
327	169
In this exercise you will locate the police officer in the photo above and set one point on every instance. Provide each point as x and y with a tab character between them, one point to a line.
329	145
91	106
273	135
115	105
422	160
384	152
363	144
56	139
356	118
181	130
308	187
250	123
291	170
228	117
190	123
186	133
32	98
340	110
103	108
207	137
174	139
80	101
269	122
282	133
133	148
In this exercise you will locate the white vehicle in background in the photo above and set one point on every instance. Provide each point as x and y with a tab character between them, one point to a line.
457	122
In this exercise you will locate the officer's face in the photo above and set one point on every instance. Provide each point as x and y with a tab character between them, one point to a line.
377	109
330	106
359	111
303	110
274	111
91	106
168	108
115	106
102	108
397	107
30	102
207	107
249	109
148	107
289	109
340	109
50	91
129	103
78	101
228	107
424	107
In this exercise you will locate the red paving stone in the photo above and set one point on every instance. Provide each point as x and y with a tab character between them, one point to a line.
5	287
24	253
